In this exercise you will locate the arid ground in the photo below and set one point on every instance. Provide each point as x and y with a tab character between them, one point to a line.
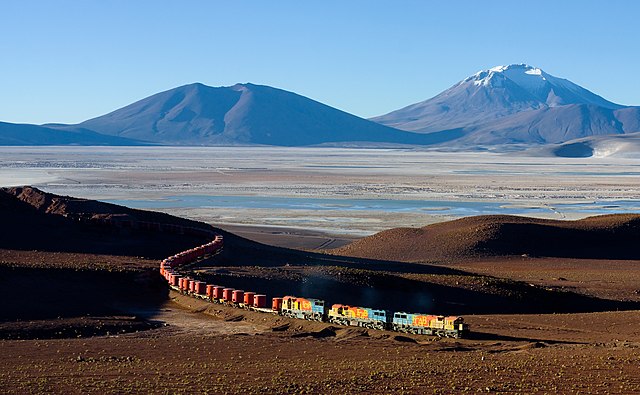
210	349
86	312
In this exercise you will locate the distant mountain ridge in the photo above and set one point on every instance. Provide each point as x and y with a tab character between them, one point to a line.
25	134
505	107
197	114
515	104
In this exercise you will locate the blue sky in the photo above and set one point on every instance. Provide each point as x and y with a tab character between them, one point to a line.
67	61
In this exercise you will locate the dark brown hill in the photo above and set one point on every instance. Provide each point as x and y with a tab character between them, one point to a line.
603	237
67	206
36	220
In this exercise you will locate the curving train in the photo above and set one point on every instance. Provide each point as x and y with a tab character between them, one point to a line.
173	270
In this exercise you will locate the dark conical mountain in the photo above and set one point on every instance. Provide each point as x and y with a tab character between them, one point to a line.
516	104
197	114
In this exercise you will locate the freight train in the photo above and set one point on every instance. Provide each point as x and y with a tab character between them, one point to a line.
173	270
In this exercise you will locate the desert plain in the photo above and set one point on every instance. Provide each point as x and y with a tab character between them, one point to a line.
336	190
539	324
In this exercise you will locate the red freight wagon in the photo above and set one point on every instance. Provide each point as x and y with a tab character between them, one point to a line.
260	301
200	287
248	298
238	296
227	294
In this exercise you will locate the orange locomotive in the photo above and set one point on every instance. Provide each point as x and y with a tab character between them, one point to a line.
358	316
305	308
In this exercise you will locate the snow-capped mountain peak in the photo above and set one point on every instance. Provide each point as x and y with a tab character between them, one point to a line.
490	95
541	86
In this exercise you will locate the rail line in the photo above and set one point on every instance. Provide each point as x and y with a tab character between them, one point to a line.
175	271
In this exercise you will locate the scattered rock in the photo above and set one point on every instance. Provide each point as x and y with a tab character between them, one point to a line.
326	332
404	339
280	328
235	318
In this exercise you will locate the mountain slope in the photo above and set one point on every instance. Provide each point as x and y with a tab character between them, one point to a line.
546	125
197	114
515	104
24	134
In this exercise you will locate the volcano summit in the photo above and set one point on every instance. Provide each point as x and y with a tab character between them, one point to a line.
515	104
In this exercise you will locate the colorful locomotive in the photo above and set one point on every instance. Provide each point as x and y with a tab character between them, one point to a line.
423	324
358	316
303	308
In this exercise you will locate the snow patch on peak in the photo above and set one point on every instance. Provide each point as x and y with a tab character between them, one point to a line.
534	71
487	78
514	66
498	69
531	79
